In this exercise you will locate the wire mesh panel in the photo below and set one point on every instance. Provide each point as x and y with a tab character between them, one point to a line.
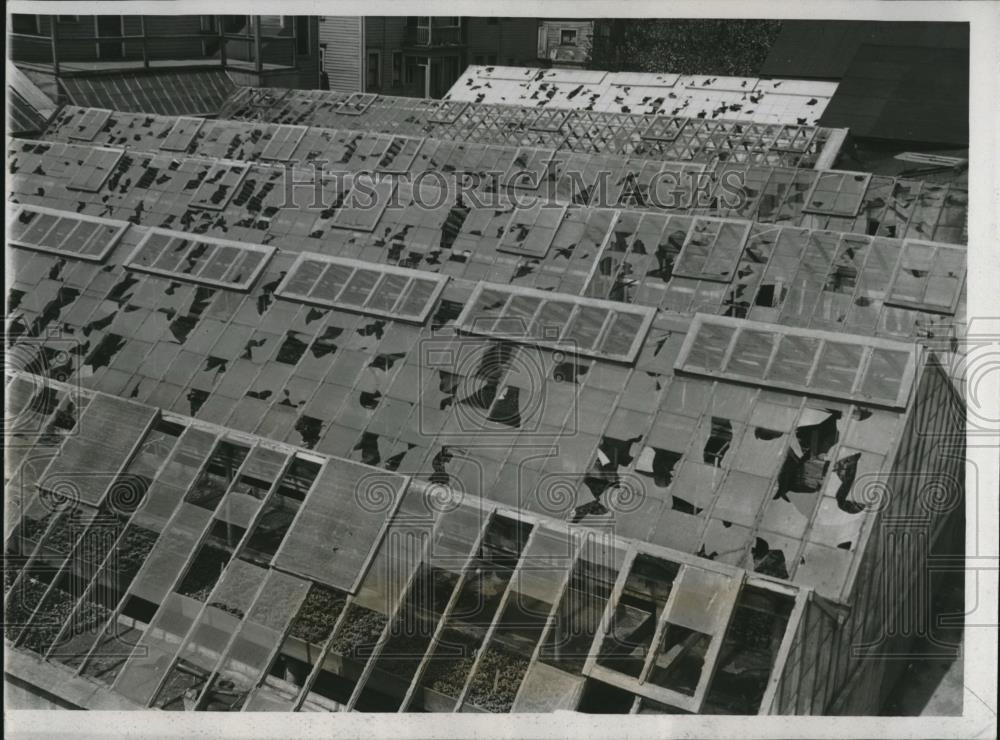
181	134
860	368
664	128
380	290
90	175
198	259
66	234
550	120
447	111
586	326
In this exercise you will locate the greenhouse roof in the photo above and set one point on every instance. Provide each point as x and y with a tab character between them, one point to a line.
172	92
316	560
655	133
285	372
200	311
698	96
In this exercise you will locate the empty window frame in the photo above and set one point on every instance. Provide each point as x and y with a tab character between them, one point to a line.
794	139
447	111
837	193
664	128
687	632
95	168
89	123
380	290
218	186
530	231
584	326
399	155
181	134
356	104
364	204
712	249
283	143
928	277
67	234
869	370
198	259
550	120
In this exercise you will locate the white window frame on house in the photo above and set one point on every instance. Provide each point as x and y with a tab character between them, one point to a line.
38	25
368	59
397	69
97	35
562	36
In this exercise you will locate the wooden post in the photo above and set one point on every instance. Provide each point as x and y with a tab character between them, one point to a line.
145	50
257	58
55	44
222	39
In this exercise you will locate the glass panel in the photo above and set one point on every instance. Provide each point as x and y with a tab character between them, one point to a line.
586	327
581	608
886	369
143	672
279	599
751	353
463	634
837	367
709	347
532	595
753	638
794	359
638	611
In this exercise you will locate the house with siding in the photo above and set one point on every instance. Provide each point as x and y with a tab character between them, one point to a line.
170	63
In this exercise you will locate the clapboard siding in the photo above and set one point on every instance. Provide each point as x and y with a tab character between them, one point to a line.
509	38
385	34
342	37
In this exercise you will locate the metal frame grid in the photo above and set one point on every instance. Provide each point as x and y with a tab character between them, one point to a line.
521	324
174	241
24	238
409	282
815	346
